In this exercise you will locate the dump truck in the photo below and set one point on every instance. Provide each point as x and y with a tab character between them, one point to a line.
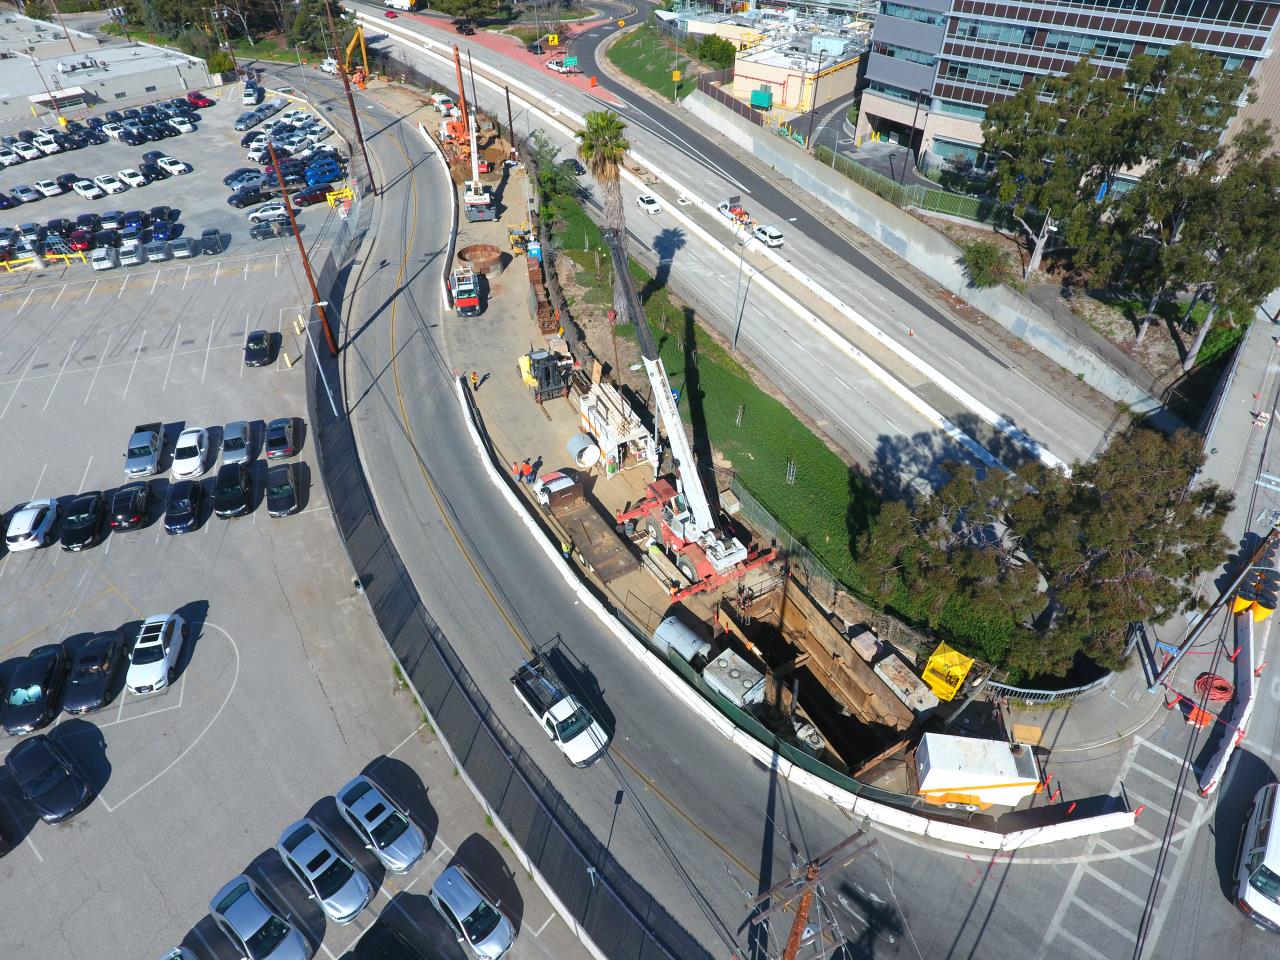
965	773
464	289
142	456
593	538
569	724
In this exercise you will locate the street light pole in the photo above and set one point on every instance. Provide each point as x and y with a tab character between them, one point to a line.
914	117
813	111
738	310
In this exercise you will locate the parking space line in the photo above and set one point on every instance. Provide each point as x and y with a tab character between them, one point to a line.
61	369
1106	921
176	330
98	369
277	264
39	480
217	264
1083	947
186	277
123	284
246	334
61	290
85	476
140	716
412	734
18	386
134	366
1125	857
155	283
25	302
89	296
245	278
207	347
1162	751
538	932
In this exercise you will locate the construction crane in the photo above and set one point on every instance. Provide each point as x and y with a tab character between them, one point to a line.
360	76
676	512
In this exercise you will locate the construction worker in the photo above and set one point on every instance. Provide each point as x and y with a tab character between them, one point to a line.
566	548
515	470
475	382
526	471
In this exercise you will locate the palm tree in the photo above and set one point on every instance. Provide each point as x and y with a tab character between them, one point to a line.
601	148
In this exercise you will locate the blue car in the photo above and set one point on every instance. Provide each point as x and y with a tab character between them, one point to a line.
164	230
135	218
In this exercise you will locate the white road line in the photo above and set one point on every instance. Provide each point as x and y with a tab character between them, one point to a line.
1152	775
85	475
137	353
61	369
176	330
123	696
123	285
216	265
328	952
18	386
141	716
411	735
1106	921
1162	751
33	849
39	480
61	290
538	932
25	302
207	347
1083	947
88	296
246	334
98	369
1118	888
277	264
186	276
245	278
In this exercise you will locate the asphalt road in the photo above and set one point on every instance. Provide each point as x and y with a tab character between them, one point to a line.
700	826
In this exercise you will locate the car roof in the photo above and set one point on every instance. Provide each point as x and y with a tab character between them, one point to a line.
279	472
304	841
245	911
458	891
89	495
191	432
30	755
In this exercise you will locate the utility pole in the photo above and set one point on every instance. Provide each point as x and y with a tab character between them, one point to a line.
302	251
65	32
813	111
224	39
475	100
351	100
511	127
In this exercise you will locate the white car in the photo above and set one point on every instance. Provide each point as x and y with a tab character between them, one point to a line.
47	145
9	158
113	130
650	204
172	166
153	661
109	184
315	135
269	211
769	236
32	526
87	189
191	452
295	116
26	151
48	187
104	258
182	125
133	178
330	65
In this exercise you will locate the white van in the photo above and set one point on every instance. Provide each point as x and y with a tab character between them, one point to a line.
1258	864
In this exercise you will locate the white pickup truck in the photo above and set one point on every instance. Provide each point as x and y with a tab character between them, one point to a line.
567	722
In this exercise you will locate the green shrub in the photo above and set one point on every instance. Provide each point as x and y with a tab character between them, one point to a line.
716	51
220	62
986	263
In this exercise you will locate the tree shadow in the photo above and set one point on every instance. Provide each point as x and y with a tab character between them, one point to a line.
692	395
490	872
665	245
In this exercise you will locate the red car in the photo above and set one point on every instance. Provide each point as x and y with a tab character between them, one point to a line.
306	198
81	240
391	14
198	99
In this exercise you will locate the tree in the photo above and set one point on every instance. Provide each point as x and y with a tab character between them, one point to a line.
554	179
602	147
479	10
310	26
220	62
985	263
717	51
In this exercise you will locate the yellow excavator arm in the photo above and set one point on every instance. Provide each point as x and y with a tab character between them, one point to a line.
358	38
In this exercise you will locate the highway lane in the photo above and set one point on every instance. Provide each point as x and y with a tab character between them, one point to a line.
700	825
1017	384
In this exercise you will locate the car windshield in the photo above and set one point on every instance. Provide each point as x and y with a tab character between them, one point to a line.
1266	883
90	667
258	341
187	452
480	922
280	490
231	491
45	780
79	519
19	696
332	878
233	443
267	937
139	451
566	730
180	504
390	829
148	653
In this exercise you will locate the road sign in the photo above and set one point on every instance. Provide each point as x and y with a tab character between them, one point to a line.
675	76
622	23
553	39
570	61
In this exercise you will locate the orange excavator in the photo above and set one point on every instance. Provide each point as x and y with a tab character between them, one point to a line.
359	77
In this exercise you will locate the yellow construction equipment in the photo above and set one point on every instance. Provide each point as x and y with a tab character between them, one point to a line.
518	237
945	671
362	75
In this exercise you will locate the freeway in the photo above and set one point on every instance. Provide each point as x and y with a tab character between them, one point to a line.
699	825
1015	383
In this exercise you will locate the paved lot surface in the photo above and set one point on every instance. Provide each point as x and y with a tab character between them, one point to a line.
287	690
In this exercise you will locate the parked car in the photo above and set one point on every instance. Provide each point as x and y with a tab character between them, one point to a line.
282	489
237	445
330	878
198	99
156	252
154	658
49	778
175	167
305	198
385	829
182	512
211	242
109	184
129	506
104	258
48	188
476	920
232	490
256	929
184	247
25	194
271	228
247	198
248	119
257	349
132	177
268	211
152	172
31	526
112	220
165	230
81	241
94	671
190	453
279	441
35	689
83	524
246	179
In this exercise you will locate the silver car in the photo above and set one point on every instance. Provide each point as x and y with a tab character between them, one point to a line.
476	922
254	928
341	889
237	443
385	829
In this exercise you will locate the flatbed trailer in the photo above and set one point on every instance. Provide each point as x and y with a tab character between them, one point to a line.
595	539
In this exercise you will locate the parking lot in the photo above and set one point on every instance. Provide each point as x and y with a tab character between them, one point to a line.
286	690
199	197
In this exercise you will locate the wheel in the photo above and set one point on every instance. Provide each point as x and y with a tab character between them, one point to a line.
654	530
173	671
685	566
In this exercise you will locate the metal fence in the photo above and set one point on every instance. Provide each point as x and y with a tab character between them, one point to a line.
709	84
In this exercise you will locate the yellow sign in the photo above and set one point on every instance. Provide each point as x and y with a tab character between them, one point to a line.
335	196
62	121
553	39
675	76
622	23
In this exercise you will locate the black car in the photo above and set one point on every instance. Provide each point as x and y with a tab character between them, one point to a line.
106	238
89	221
133	138
162	131
67	179
74	126
152	172
49	778
129	505
573	166
182	513
83	522
112	219
34	690
95	136
257	349
151	156
162	213
96	123
115	116
211	242
465	28
282	489
59	227
231	491
94	671
247	198
238	171
271	228
249	137
27	135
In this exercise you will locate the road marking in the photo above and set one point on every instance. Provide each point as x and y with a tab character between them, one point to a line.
98	369
411	735
186	277
1106	921
88	296
39	480
176	330
538	932
154	284
1083	947
243	339
61	369
1118	888
85	475
208	346
17	386
25	302
122	286
61	290
137	353
1162	751
246	271
216	266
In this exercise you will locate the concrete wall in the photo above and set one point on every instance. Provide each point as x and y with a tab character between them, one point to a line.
933	255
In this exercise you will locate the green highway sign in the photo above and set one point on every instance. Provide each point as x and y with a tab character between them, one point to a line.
570	61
